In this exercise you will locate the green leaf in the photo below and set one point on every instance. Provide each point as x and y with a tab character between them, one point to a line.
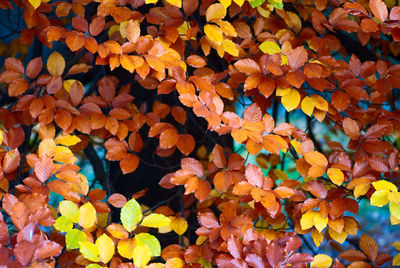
73	237
270	47
276	3
131	214
70	210
256	3
63	224
93	265
155	220
149	240
89	251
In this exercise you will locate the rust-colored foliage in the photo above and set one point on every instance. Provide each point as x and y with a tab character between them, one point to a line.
161	84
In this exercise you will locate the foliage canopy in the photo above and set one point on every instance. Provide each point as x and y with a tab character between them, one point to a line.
149	94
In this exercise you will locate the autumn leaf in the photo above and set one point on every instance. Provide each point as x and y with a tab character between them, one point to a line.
105	247
56	64
131	214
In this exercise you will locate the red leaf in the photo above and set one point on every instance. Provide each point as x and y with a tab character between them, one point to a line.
317	189
23	252
117	200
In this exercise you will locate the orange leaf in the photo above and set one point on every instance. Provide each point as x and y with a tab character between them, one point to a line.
379	9
129	163
186	144
168	138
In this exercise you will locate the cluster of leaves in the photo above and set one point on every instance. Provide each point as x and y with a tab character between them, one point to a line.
197	60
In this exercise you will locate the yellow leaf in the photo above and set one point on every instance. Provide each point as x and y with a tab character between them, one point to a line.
379	198
177	3
339	237
270	47
64	155
239	2
67	140
70	210
297	146
293	21
106	248
395	210
1	136
55	64
320	103
361	189
227	28
226	3
393	220
396	260
151	1
68	83
155	220
214	33
396	245
125	248
230	47
149	240
179	225
35	3
174	263
291	100
394	197
307	105
47	147
131	214
87	216
335	175
141	255
321	261
89	251
215	12
317	237
320	222
384	185
307	220
282	91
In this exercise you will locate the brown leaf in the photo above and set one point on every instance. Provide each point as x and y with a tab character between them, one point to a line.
47	249
351	128
297	58
369	246
352	255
